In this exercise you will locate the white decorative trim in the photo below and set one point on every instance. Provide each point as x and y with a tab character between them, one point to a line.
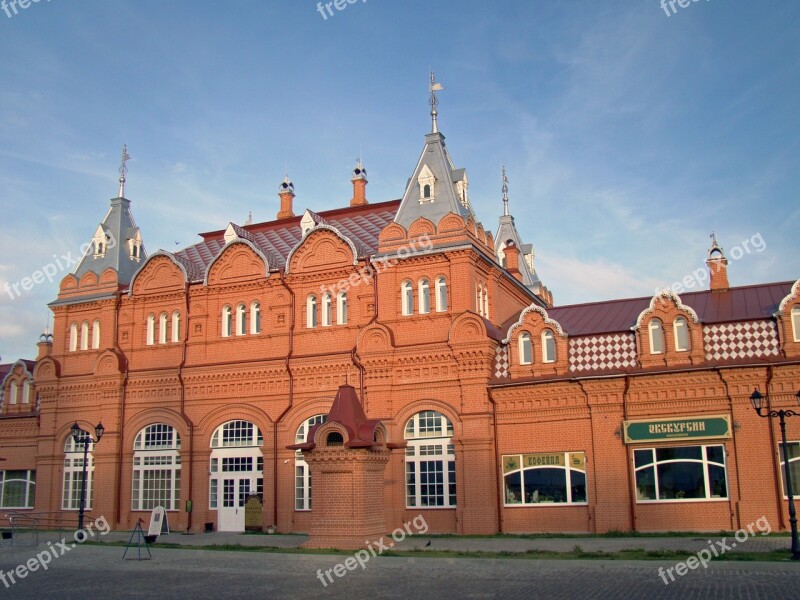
547	320
233	242
169	255
662	295
319	227
794	293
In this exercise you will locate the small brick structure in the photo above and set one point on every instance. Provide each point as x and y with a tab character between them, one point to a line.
347	455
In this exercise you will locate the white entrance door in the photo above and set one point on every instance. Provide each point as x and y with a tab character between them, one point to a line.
235	492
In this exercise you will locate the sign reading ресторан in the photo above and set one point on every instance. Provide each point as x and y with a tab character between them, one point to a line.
678	428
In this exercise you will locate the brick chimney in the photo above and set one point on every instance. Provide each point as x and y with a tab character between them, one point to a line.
45	344
511	253
359	180
286	194
717	267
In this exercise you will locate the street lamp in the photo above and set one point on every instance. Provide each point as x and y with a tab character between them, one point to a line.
758	400
83	437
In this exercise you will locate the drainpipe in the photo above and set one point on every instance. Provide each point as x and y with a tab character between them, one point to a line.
735	452
288	408
631	482
776	461
374	318
498	471
123	394
183	404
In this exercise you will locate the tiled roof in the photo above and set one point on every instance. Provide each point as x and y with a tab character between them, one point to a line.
362	224
736	304
6	369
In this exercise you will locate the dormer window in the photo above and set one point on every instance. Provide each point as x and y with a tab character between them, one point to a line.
796	323
99	242
135	246
681	328
548	346
656	330
427	183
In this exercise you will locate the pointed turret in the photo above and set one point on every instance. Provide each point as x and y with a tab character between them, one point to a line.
436	187
117	241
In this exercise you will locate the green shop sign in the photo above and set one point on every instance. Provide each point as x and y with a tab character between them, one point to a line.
677	428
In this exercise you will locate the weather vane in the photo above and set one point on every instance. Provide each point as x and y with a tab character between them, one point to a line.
505	192
123	170
434	101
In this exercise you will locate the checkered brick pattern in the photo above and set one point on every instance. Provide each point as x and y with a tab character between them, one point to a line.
501	362
612	351
741	340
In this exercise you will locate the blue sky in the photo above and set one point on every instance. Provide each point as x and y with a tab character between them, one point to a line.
628	135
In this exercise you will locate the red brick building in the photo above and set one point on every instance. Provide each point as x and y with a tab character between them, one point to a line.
517	415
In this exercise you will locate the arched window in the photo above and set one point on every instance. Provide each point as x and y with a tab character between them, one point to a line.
156	468
73	337
407	298
681	329
162	328
241	325
486	301
26	392
796	323
17	489
237	470
548	346
311	311
255	318
176	327
525	348
424	296
656	329
151	329
302	475
341	308
426	191
73	475
327	310
441	294
334	439
85	335
430	461
13	393
95	335
227	321
479	299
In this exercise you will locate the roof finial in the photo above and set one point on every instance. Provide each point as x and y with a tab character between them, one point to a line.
434	101
123	170
505	192
715	247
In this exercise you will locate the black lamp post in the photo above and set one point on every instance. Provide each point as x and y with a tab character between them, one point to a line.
758	400
83	437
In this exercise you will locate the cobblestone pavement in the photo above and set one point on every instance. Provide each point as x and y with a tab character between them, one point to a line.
95	571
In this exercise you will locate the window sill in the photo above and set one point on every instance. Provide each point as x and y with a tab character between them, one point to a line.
683	500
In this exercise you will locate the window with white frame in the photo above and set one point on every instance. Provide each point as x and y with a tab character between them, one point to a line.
85	335
341	308
227	321
162	328
151	330
156	468
73	475
327	310
486	301
241	317
430	461
73	337
302	474
656	331
407	298
680	473
176	327
553	478
95	335
424	296
311	311
793	449
26	392
441	294
681	327
479	299
525	348
17	489
796	323
236	456
255	318
13	392
548	346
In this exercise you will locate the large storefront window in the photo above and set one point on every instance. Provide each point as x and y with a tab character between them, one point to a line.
302	474
680	473
430	461
156	468
551	478
73	475
794	467
17	489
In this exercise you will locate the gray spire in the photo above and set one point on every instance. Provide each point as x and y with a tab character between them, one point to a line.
434	102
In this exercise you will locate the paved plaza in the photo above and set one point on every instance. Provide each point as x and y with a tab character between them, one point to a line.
99	571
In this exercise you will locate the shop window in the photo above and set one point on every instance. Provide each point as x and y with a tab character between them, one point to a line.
540	479
680	473
17	489
73	475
